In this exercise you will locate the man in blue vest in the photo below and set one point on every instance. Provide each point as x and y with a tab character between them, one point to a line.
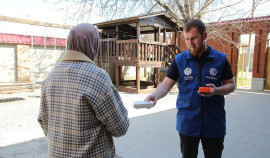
200	117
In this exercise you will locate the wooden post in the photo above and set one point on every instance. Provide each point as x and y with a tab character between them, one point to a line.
138	77
164	35
159	35
117	32
138	58
175	38
157	47
120	73
138	44
175	41
117	72
157	76
117	38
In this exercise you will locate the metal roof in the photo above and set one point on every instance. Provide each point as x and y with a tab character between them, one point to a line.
245	20
37	40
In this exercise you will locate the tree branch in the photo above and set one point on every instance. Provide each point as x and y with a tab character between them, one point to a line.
205	5
165	6
186	4
152	8
181	9
192	7
221	7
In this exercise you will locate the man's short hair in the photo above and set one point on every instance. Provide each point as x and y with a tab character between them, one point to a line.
195	23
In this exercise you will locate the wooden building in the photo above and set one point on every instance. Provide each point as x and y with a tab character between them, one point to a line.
121	43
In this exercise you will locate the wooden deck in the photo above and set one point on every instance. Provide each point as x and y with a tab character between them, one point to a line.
14	87
135	53
121	43
138	53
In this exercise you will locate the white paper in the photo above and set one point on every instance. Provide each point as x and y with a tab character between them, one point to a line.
143	104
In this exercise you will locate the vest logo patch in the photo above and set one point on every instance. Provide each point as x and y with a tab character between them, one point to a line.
187	71
213	71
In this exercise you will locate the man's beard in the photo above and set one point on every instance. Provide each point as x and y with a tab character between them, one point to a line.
195	52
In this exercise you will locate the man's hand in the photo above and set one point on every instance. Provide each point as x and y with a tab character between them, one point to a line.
151	97
161	90
212	91
227	87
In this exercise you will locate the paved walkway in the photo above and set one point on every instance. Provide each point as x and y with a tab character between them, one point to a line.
152	131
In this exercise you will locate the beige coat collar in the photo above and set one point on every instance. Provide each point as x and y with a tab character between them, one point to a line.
72	55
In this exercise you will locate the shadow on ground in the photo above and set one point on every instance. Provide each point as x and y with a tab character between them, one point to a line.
151	135
36	148
10	99
154	135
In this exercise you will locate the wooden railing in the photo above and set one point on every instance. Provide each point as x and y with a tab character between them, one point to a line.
152	51
12	87
107	47
127	50
171	52
136	50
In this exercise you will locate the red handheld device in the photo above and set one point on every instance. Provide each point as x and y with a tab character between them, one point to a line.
204	90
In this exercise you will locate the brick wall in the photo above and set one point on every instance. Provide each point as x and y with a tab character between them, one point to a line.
229	43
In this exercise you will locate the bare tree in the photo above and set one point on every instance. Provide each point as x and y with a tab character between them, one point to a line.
184	10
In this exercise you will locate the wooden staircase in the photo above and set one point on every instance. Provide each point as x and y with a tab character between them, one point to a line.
171	52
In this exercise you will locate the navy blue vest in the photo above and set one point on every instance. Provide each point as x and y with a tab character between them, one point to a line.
200	116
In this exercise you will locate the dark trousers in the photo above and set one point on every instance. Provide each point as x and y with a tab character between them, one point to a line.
212	147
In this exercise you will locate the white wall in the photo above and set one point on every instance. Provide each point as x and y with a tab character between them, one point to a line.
7	63
43	61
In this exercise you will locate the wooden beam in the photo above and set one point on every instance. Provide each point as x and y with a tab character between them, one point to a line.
161	22
32	22
156	64
128	63
116	74
127	89
159	37
153	42
128	41
107	31
138	30
116	22
153	31
138	38
107	39
157	74
138	77
120	73
175	37
164	35
117	32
